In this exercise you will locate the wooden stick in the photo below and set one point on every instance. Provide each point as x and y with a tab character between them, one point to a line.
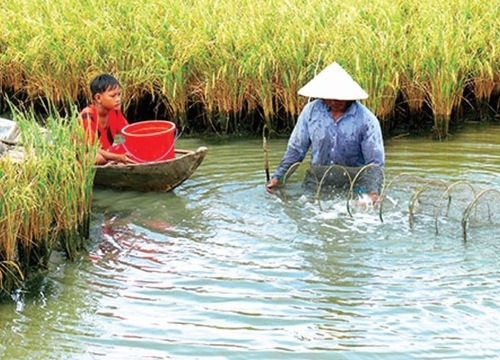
265	146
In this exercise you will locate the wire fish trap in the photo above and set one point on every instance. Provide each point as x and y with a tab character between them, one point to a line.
337	179
455	194
483	209
436	200
449	204
280	190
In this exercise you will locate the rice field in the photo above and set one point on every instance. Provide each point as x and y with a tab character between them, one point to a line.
219	66
45	197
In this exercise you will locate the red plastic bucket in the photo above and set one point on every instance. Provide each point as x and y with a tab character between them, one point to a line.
149	141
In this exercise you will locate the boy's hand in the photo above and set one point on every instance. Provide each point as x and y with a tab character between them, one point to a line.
123	158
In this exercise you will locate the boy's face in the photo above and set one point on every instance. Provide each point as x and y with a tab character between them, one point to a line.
110	99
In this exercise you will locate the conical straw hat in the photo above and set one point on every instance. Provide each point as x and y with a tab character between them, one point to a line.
333	83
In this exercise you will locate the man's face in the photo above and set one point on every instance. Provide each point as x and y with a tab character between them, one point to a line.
336	105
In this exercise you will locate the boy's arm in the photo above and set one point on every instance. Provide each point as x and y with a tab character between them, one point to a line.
109	156
89	126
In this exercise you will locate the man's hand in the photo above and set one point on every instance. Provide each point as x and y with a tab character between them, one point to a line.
374	197
272	184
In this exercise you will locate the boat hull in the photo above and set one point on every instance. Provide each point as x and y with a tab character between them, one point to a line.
161	176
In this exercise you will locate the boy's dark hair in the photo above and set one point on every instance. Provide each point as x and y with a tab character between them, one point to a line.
103	82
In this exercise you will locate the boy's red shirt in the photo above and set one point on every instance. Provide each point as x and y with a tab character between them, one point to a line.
106	135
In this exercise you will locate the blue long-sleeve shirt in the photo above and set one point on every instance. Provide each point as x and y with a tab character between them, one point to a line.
355	139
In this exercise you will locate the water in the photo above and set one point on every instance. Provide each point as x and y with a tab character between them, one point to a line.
219	269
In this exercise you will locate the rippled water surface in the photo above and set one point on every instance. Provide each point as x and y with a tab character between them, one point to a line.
219	269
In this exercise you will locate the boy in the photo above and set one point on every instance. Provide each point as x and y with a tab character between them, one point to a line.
104	119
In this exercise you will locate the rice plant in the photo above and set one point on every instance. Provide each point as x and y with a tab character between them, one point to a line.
46	195
231	58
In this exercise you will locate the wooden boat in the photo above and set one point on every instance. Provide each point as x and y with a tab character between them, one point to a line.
161	176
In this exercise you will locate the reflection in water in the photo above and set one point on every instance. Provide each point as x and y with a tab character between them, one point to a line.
220	269
49	323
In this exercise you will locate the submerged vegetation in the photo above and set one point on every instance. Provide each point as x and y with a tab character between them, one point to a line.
45	197
237	64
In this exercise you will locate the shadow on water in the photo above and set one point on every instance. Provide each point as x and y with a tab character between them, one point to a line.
58	309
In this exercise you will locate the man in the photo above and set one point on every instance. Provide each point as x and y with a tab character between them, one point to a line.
336	126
